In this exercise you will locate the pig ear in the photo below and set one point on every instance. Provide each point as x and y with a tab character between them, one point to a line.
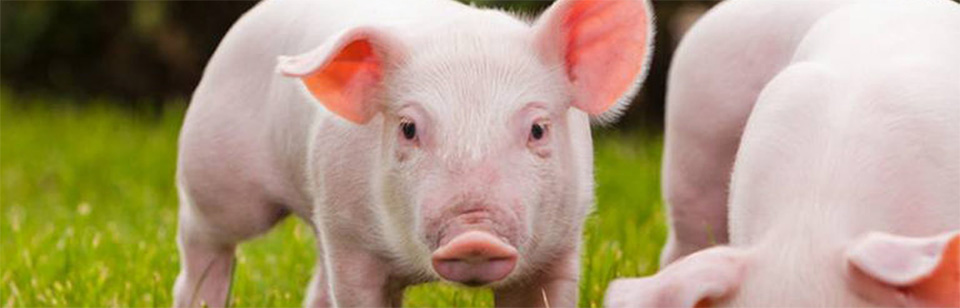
344	73
604	47
694	281
911	271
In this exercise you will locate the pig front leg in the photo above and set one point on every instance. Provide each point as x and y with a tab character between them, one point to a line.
558	285
355	276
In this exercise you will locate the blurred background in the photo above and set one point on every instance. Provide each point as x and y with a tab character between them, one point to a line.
144	54
92	95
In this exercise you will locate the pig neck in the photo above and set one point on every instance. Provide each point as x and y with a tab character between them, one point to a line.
796	254
798	261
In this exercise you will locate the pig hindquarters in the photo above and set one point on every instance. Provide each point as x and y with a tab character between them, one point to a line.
845	172
421	139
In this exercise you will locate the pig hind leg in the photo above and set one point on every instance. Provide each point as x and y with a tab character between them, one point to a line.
205	274
207	238
318	291
695	189
698	159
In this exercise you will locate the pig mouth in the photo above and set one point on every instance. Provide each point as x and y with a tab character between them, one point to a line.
475	258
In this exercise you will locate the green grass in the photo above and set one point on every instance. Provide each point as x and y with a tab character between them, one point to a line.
87	216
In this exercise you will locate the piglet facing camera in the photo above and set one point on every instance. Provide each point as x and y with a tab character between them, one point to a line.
423	139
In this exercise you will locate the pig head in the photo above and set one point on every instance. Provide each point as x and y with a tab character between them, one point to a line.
483	171
422	139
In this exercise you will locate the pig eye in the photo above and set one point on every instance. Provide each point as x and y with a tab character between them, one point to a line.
409	129
536	131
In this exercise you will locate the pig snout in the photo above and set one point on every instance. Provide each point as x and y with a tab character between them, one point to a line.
474	244
474	258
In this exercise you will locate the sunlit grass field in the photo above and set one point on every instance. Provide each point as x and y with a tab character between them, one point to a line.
87	215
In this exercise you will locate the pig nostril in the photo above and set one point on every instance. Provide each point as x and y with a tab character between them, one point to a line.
475	259
472	211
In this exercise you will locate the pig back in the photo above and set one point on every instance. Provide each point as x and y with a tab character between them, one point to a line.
856	134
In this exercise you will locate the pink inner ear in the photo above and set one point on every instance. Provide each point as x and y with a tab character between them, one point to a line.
925	269
942	288
606	48
347	80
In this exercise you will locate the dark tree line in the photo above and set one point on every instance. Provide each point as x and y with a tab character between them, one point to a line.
144	53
